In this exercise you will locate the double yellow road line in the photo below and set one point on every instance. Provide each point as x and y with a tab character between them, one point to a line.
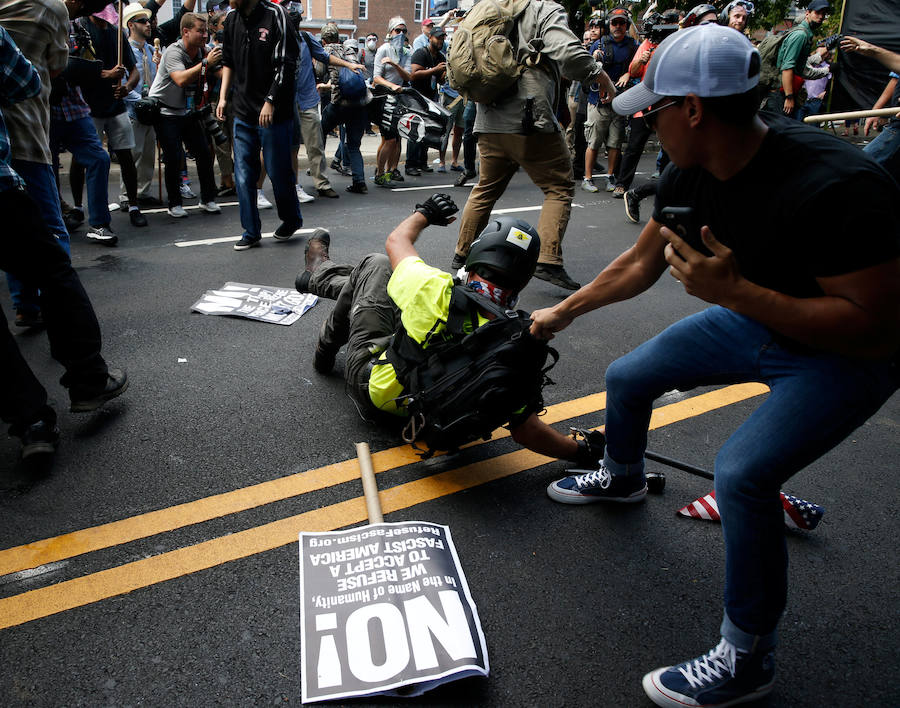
119	580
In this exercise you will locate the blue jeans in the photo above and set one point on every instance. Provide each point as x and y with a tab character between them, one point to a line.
469	137
885	149
353	120
40	183
275	143
79	137
817	399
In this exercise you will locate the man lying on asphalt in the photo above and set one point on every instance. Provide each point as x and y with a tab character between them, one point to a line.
399	292
809	306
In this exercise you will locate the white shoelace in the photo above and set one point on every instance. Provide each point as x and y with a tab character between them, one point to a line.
718	663
600	477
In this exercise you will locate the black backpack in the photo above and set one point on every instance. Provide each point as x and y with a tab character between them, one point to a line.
467	386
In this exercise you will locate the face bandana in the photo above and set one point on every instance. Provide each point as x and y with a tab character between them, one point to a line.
502	296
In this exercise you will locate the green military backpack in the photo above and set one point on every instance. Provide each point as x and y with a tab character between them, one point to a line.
482	63
769	73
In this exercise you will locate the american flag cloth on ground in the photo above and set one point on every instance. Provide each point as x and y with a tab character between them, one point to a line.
798	513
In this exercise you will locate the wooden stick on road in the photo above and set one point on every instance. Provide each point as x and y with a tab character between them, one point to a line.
370	488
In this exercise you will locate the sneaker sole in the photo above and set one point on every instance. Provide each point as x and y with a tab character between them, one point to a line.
248	246
95	403
631	217
670	699
104	241
38	448
566	497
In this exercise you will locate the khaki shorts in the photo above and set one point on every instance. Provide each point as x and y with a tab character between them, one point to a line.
603	123
119	134
456	112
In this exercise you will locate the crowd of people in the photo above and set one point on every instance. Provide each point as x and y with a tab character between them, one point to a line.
793	304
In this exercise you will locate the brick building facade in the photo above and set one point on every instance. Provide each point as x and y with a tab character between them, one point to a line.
357	18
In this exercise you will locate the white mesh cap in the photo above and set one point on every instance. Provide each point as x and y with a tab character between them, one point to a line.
707	60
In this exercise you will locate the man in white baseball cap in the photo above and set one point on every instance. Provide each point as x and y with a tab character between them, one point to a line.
796	304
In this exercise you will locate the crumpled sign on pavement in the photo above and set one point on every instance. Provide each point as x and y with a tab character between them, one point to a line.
265	303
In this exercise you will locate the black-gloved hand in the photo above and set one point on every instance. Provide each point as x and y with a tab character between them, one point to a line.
438	209
591	446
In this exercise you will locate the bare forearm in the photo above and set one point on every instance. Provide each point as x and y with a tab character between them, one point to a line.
886	58
828	323
400	243
226	83
787	81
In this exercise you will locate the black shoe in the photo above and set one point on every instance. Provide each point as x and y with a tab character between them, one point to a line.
149	202
39	438
396	176
73	219
632	206
85	399
314	255
464	177
323	360
358	188
426	168
413	172
137	219
284	232
29	319
457	262
224	191
328	193
555	274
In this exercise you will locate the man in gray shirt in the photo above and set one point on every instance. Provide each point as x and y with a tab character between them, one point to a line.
391	72
179	87
521	129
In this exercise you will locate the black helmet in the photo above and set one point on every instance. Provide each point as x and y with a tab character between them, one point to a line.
693	17
505	253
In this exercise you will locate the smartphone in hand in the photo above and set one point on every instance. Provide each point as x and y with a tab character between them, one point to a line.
683	221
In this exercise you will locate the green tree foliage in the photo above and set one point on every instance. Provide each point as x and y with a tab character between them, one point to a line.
768	12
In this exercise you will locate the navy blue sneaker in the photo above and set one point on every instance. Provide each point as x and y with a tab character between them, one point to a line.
725	676
246	243
585	487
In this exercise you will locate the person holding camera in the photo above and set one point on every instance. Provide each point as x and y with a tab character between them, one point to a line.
179	87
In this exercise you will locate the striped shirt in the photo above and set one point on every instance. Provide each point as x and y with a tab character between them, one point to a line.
18	82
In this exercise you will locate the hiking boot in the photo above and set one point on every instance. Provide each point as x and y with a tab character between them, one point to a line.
586	487
463	178
102	235
39	438
314	255
358	188
85	399
457	262
329	193
588	185
723	677
396	176
632	207
555	274
246	242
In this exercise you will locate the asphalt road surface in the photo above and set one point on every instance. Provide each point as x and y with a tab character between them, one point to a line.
157	563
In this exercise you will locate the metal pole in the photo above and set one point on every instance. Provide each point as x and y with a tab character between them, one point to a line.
850	115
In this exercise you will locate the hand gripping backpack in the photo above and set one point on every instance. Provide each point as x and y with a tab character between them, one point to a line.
467	386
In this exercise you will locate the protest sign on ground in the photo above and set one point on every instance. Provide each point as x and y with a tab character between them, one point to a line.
382	607
265	303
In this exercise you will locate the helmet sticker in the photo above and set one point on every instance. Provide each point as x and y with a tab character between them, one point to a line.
519	238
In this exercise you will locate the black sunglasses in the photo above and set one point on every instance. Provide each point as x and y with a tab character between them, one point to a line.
142	21
650	115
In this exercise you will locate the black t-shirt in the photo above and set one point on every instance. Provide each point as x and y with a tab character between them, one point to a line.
99	95
424	58
807	205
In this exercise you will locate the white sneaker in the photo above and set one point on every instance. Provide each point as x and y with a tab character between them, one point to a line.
210	208
177	211
588	185
186	191
261	201
303	196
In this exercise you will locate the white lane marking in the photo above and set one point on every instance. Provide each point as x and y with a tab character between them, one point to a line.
230	239
163	210
416	189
